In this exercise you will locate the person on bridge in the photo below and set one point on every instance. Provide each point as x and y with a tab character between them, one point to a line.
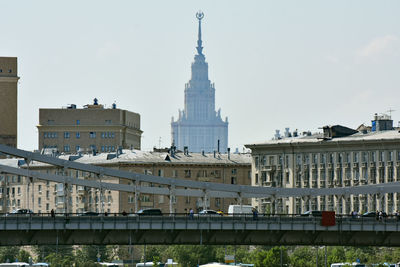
53	215
191	213
255	213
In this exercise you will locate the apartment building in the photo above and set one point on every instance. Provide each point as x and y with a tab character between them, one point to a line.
91	128
338	157
41	196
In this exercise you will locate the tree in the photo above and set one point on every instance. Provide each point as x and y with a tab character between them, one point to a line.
23	256
302	257
337	254
9	254
191	255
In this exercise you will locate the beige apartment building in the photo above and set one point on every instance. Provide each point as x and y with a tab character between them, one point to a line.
41	196
91	128
8	100
338	157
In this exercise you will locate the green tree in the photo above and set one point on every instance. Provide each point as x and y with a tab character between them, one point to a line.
23	256
90	253
43	251
191	255
337	254
9	254
60	260
302	257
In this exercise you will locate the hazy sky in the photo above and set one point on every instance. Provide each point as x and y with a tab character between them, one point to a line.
275	64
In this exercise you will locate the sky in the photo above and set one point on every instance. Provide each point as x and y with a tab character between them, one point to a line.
275	64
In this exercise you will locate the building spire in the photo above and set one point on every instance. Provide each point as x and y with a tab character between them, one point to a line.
199	16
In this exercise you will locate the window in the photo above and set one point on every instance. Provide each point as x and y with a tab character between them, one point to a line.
256	162
78	122
66	135
381	156
160	172
112	135
47	206
233	180
355	157
102	135
66	148
45	135
108	121
78	135
39	201
77	148
234	171
256	178
188	174
175	173
19	190
92	134
40	188
131	199
47	194
390	156
217	202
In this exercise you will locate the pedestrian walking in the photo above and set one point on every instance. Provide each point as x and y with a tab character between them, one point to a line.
191	213
53	215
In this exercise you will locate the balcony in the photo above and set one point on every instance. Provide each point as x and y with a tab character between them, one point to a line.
390	163
280	167
372	180
322	166
363	181
347	182
381	164
355	164
330	165
347	165
398	163
306	183
298	184
321	183
356	181
314	184
269	168
338	165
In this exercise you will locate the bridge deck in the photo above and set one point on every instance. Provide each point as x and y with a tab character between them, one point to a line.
180	229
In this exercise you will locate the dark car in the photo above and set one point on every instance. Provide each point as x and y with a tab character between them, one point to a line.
89	213
26	212
149	212
312	213
372	214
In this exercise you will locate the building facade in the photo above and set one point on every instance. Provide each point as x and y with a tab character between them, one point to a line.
41	196
90	128
8	100
340	157
199	126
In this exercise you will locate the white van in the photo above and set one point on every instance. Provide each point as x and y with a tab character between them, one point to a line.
240	209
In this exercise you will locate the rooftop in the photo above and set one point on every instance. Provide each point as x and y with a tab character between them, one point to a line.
319	138
142	157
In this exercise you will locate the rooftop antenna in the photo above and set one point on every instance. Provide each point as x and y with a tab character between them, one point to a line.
390	112
159	143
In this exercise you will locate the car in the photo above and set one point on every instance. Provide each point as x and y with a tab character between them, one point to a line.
88	213
312	213
373	214
26	212
149	212
209	213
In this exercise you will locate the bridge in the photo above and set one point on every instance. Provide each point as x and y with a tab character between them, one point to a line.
43	229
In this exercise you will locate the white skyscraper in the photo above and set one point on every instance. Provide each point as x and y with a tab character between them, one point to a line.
199	127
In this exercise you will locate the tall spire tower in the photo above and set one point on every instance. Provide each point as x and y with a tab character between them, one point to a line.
199	127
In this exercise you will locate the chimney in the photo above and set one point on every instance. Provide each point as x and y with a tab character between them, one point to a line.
185	150
229	153
218	146
214	153
202	153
